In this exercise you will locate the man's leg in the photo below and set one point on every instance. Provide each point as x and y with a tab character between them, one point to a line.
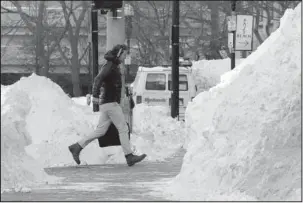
100	130
116	115
102	127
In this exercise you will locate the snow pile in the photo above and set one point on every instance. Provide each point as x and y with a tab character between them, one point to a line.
207	73
18	170
53	122
156	133
247	144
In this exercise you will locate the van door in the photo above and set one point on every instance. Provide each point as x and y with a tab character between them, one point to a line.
184	94
155	89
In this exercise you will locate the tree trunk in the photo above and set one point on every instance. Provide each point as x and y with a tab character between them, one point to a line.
214	44
76	77
75	70
44	70
268	24
39	40
256	29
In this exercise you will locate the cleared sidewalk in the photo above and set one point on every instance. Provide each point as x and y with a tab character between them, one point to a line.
114	182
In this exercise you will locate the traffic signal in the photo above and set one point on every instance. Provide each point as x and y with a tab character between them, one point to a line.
113	4
233	5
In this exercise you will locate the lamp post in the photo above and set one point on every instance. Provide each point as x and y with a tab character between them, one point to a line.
128	13
94	43
175	60
233	54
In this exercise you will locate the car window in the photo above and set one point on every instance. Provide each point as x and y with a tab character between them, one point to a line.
183	83
155	81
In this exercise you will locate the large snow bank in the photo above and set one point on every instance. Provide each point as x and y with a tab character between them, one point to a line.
247	144
207	73
18	170
53	122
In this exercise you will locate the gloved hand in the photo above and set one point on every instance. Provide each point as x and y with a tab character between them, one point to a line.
88	99
95	100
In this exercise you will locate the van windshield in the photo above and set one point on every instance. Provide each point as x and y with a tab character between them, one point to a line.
155	81
183	84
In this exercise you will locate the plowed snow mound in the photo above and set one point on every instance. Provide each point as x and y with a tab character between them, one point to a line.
245	139
18	170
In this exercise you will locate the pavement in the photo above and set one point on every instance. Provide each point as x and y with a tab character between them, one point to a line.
110	182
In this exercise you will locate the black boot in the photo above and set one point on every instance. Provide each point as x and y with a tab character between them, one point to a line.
75	149
132	159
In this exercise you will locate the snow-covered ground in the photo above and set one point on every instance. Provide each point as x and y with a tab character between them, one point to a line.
247	144
243	136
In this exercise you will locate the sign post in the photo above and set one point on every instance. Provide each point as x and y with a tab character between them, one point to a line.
232	22
244	33
94	39
175	59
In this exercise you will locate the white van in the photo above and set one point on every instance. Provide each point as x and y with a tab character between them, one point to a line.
153	86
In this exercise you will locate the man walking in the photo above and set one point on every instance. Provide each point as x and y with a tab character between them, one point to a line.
110	83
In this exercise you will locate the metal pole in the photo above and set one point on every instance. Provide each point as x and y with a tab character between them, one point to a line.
94	23
175	60
128	33
233	52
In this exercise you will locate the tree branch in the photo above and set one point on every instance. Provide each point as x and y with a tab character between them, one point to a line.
67	61
27	19
66	16
57	41
80	19
84	53
7	10
13	27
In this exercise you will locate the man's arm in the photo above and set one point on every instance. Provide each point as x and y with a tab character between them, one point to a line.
105	70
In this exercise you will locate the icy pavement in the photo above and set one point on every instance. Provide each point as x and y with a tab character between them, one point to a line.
110	182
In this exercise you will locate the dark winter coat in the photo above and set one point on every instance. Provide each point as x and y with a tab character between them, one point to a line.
107	84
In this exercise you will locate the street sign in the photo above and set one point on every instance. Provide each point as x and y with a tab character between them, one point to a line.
127	60
231	23
244	33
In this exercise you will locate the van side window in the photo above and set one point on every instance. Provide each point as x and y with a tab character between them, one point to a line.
183	83
155	81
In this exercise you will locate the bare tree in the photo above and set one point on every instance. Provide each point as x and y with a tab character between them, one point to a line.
40	29
74	23
203	26
8	31
152	24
